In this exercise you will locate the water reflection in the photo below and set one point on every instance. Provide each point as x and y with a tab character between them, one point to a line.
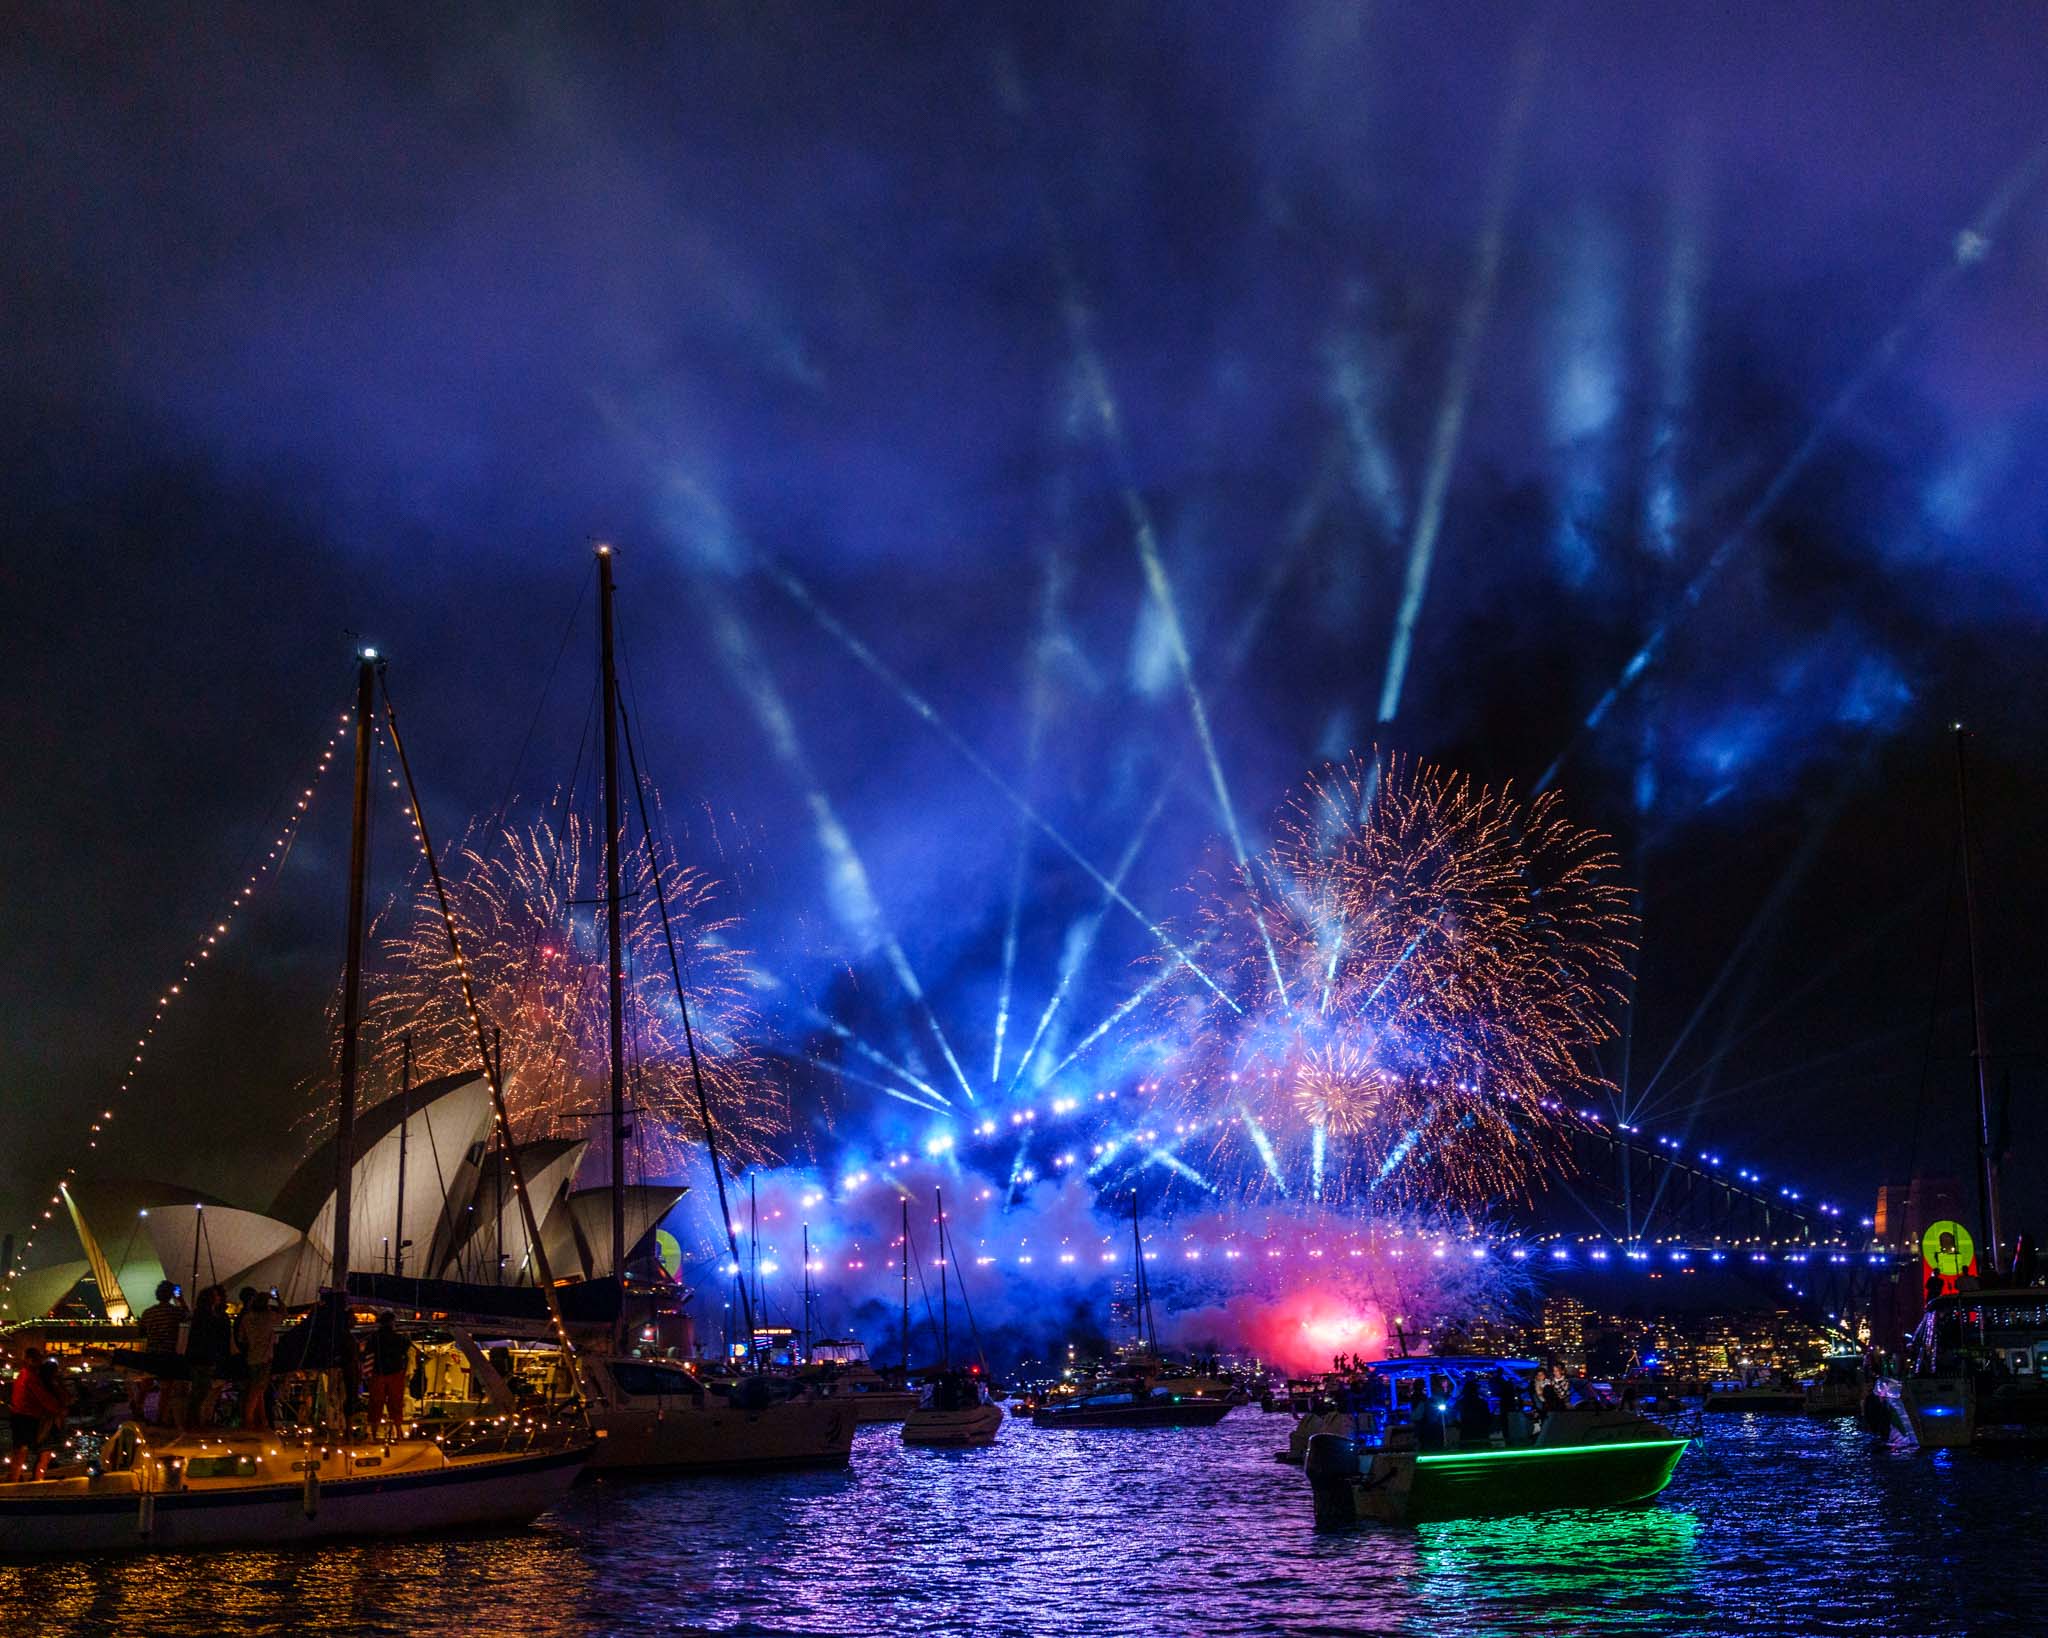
1504	1575
1773	1526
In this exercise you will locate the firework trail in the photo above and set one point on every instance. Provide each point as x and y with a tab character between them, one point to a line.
1448	961
528	906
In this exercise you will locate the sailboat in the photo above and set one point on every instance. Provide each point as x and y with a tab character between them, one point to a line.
839	1368
651	1415
269	1488
955	1408
1138	1394
1973	1369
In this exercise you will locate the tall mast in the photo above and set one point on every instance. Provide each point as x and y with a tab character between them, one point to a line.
945	1309
404	1120
504	1150
611	918
906	1288
1987	1162
807	1294
1147	1336
754	1259
352	973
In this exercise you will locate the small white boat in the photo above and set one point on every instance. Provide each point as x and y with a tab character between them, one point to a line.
250	1490
955	1410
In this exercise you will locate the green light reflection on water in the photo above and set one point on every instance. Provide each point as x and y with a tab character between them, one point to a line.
1630	1569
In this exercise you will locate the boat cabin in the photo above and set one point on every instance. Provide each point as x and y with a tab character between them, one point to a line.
1428	1399
2001	1333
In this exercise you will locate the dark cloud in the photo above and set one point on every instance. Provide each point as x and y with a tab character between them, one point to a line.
368	321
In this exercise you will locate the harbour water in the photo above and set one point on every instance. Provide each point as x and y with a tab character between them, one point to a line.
1773	1525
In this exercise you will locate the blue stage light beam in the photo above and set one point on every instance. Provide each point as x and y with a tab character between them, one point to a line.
1180	1168
842	1072
1584	395
1464	363
849	888
1122	1011
770	984
1279	570
1160	588
1040	707
1081	941
832	626
1970	247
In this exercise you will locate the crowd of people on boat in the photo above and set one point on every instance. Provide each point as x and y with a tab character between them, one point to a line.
1470	1407
217	1364
190	1356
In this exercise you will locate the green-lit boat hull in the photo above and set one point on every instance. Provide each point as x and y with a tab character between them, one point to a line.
1406	1488
1482	1483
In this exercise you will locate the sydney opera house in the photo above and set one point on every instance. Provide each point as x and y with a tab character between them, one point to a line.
430	1201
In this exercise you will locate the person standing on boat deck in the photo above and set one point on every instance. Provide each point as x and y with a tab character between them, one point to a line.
390	1357
208	1347
257	1328
1475	1414
161	1323
35	1413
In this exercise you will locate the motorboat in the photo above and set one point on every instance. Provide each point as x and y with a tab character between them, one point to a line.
954	1410
657	1416
1131	1402
839	1369
1141	1392
1754	1389
1400	1466
652	1415
1838	1387
1975	1372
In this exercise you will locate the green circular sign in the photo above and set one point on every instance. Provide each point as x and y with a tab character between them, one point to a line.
1947	1248
669	1249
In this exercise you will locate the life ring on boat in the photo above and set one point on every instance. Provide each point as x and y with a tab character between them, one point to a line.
118	1454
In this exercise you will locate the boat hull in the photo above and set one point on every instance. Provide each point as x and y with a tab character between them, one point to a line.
1185	1413
1935	1412
800	1433
112	1514
1406	1487
976	1425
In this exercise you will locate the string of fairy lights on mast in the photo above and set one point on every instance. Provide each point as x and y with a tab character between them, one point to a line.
216	931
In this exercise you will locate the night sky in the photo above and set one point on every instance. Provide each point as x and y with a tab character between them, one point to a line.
1454	366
